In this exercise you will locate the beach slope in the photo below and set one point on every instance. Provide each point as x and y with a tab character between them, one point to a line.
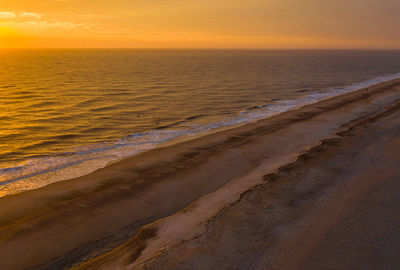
316	187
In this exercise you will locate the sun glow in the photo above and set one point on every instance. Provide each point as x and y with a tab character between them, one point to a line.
205	24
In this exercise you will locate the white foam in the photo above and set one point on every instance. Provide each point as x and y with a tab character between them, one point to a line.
37	172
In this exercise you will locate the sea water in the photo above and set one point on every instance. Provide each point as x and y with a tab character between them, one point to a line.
67	113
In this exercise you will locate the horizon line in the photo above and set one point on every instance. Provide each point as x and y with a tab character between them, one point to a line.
199	49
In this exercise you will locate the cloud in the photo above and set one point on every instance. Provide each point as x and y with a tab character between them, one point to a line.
43	26
31	15
7	15
34	22
21	15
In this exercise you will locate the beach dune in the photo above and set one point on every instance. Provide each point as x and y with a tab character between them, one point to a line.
312	188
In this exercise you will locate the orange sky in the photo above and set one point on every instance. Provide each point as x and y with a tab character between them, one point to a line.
286	24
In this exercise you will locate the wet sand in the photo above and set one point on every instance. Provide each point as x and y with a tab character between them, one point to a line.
336	207
296	191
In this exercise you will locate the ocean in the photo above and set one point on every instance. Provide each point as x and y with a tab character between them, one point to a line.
67	113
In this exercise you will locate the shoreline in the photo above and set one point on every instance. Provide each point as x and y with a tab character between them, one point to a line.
336	206
140	187
41	177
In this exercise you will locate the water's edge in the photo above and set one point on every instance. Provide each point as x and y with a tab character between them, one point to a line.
43	171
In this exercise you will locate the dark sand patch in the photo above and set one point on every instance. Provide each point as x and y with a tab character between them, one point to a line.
69	222
336	207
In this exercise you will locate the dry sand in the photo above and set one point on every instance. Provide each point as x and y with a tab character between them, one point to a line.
313	188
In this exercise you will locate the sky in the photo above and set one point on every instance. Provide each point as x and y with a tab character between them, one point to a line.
258	24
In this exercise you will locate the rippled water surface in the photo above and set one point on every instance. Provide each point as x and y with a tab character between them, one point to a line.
64	113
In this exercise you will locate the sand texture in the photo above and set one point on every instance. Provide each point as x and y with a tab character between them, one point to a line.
313	188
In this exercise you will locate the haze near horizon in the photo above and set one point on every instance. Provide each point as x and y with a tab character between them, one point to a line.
258	24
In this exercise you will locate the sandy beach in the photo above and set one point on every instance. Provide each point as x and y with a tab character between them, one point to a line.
312	188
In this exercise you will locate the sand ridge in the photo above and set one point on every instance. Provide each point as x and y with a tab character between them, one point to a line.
336	207
66	223
202	248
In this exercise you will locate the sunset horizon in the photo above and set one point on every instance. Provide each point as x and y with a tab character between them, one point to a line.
174	24
199	135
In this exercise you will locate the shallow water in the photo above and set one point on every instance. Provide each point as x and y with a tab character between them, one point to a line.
65	113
